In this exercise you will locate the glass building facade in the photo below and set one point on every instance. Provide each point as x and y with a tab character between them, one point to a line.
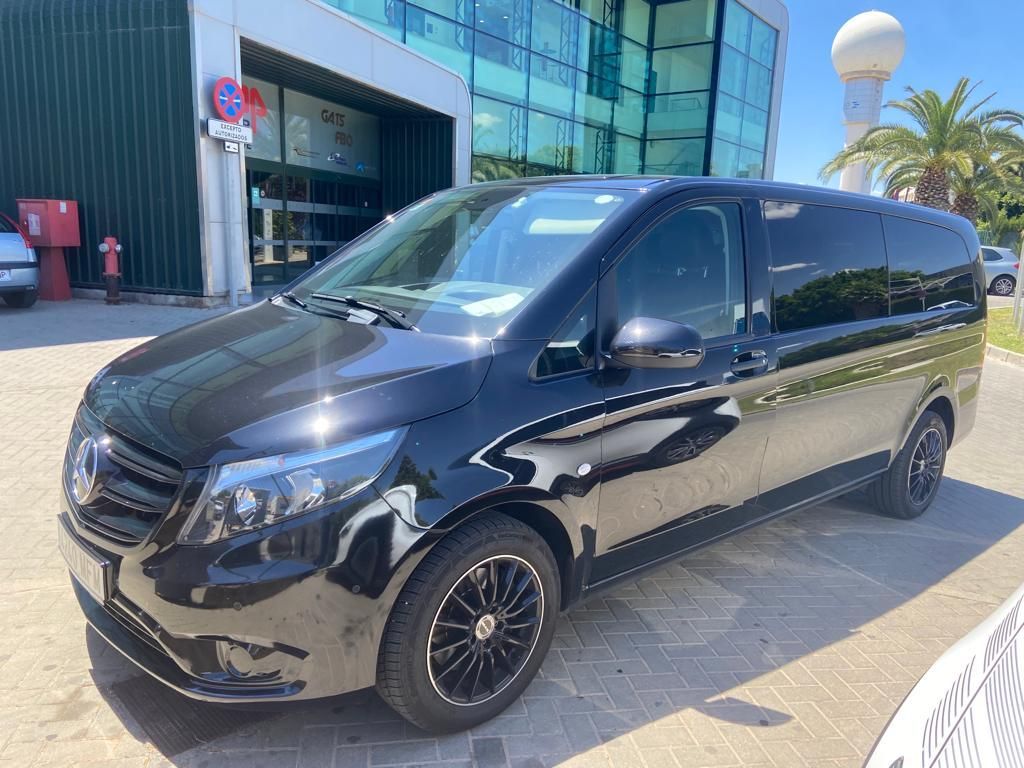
599	86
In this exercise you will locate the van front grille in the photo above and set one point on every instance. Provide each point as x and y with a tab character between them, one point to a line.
134	485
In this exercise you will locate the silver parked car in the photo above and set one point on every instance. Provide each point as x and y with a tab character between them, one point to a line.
19	268
1000	269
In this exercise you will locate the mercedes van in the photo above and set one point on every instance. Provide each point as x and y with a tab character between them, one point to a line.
398	470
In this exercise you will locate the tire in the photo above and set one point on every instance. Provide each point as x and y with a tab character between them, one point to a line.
22	299
1003	285
896	493
459	570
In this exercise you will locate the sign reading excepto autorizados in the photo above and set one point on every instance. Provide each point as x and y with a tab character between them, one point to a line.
218	129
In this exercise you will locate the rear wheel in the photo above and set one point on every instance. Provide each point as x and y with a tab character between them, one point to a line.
1003	285
909	486
21	299
471	627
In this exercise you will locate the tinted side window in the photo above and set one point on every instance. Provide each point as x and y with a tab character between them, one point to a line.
5	226
989	255
929	267
572	348
828	265
688	268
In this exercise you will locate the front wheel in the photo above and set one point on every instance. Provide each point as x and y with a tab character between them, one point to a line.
909	486
1003	285
471	627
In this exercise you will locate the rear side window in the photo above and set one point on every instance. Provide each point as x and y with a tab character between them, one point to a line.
929	267
6	227
990	255
828	265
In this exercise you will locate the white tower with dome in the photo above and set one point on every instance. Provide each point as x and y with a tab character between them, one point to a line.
865	53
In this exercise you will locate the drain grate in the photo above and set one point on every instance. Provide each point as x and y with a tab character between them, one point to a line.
175	723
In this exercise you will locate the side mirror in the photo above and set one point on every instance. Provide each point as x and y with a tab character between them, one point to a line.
646	342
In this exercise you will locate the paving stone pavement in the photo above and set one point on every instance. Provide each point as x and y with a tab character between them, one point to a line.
788	645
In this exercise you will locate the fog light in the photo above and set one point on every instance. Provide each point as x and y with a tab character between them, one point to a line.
257	663
239	661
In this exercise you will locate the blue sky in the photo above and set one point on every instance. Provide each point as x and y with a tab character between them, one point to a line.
946	39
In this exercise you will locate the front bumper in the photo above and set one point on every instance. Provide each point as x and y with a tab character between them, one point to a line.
295	611
24	277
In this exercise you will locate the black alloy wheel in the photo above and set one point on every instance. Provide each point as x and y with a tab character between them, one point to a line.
925	466
471	626
485	630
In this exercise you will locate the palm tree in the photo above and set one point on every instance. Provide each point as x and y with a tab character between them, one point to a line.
977	187
945	138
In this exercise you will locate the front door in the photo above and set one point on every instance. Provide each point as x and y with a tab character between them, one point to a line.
682	447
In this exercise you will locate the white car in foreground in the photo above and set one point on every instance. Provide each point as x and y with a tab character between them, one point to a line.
968	709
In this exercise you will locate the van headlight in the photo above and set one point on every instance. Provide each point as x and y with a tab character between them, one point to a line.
247	495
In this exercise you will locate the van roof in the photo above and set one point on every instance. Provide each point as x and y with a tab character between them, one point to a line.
764	189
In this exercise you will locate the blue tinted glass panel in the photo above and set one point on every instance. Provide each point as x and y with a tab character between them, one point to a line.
633	73
549	141
729	118
507	19
636	16
458	10
762	43
755	127
494	169
629	112
678	115
751	164
737	26
385	17
725	159
441	40
732	73
499	69
759	85
684	21
555	30
595	99
682	157
552	85
681	69
498	128
627	155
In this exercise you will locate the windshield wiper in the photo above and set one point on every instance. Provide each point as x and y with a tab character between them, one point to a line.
293	299
393	316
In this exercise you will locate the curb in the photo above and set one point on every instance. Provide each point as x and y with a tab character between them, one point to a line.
1005	355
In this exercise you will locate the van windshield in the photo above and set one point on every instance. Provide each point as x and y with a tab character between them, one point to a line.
465	261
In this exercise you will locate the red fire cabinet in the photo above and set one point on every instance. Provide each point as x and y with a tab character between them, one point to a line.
52	226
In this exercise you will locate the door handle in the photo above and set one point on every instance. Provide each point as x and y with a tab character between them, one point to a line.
750	363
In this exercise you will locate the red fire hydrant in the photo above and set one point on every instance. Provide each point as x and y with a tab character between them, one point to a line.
111	249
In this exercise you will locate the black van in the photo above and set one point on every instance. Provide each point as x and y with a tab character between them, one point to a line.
400	469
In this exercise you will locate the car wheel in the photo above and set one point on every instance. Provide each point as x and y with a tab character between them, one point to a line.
909	486
471	627
1003	285
22	299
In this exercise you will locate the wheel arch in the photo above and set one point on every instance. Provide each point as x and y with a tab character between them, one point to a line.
941	400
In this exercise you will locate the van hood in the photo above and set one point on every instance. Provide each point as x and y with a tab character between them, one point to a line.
273	379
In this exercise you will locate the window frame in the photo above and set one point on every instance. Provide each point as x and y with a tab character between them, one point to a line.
608	322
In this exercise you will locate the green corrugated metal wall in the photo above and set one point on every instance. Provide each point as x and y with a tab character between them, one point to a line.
416	159
96	106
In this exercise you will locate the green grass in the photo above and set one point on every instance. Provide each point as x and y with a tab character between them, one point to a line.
1001	332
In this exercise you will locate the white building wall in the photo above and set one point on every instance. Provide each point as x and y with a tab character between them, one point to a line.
309	31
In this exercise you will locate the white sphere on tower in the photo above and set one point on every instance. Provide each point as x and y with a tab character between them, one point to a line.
870	44
866	51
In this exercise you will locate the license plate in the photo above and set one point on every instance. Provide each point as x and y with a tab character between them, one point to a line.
5	275
90	570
